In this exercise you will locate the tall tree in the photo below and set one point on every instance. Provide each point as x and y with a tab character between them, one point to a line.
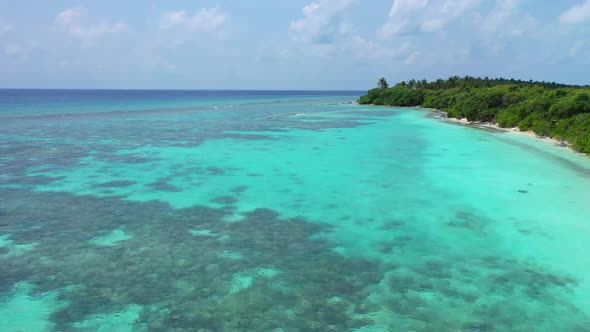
382	83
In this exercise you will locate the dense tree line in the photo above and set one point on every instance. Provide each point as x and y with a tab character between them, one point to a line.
549	109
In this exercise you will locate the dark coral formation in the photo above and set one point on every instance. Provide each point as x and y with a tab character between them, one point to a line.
468	220
116	184
42	144
315	289
163	186
225	200
164	265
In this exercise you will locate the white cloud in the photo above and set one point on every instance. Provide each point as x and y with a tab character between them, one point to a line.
68	17
19	50
412	16
322	22
579	13
363	50
445	13
204	20
504	22
13	50
579	47
323	33
5	27
73	21
404	7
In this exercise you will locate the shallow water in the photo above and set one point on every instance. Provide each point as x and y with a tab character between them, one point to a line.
289	213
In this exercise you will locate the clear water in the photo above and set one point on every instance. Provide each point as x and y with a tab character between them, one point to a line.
284	212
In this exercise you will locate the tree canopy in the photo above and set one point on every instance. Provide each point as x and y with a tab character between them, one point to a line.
549	109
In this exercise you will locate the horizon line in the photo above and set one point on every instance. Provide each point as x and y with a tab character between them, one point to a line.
166	89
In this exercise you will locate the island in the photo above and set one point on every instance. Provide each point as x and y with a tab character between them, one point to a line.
548	109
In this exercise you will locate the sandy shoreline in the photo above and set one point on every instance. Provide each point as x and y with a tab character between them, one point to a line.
494	126
442	115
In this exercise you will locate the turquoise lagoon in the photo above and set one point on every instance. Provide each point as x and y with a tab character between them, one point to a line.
284	212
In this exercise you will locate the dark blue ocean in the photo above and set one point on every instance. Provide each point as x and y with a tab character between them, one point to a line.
22	102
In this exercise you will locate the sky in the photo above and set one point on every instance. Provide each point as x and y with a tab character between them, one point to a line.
290	44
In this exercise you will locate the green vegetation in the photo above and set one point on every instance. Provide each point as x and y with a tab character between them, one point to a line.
549	109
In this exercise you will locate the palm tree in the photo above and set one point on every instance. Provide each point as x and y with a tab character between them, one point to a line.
382	83
424	84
